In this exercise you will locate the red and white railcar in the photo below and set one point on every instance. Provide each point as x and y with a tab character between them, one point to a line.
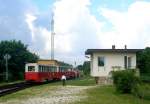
40	73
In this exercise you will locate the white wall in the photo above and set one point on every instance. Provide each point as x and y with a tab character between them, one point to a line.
111	59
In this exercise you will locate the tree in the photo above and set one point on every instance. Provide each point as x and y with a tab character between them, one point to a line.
19	56
143	61
79	67
85	67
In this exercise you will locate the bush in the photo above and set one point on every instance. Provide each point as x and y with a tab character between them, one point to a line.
143	91
125	80
145	78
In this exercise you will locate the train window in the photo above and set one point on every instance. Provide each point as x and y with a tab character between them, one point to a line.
31	68
39	68
52	69
49	70
46	68
61	69
43	69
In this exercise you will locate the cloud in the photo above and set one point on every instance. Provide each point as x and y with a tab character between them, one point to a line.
29	20
130	27
76	29
74	22
12	20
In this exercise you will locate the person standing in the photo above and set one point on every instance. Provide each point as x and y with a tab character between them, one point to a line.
63	78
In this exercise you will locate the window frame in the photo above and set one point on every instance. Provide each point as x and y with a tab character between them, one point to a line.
129	62
101	61
31	69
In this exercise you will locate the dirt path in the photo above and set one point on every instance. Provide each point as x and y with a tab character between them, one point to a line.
61	95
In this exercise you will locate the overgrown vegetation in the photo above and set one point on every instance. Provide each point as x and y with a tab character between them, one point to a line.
142	91
125	81
107	95
143	63
19	56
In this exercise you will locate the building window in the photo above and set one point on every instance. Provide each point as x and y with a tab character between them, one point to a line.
101	61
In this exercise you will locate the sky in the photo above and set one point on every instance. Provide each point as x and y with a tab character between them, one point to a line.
78	24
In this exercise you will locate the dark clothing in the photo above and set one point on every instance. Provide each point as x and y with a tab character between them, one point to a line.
64	82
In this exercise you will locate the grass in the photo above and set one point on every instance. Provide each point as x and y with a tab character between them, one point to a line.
95	95
108	95
84	81
12	82
38	90
27	93
143	91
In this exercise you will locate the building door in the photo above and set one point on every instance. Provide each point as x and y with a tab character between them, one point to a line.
127	62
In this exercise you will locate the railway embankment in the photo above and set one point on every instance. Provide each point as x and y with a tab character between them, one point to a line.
51	93
79	91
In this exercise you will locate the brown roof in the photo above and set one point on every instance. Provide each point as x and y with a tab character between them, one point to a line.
90	51
48	62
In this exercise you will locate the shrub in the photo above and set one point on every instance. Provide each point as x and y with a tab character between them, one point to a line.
143	91
145	78
125	80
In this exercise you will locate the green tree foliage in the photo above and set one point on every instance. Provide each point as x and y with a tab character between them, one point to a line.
125	81
85	67
19	56
65	64
79	67
143	61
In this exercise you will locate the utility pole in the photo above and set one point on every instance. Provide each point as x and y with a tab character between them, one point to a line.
7	57
75	64
52	37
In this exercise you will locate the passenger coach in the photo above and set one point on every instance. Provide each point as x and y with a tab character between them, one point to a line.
46	70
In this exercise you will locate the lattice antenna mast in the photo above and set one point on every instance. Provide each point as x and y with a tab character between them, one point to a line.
52	37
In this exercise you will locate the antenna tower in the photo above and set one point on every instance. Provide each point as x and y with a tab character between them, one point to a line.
52	37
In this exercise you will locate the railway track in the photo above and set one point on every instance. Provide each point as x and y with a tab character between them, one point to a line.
8	89
11	88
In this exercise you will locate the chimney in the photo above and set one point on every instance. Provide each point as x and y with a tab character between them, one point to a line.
113	46
125	46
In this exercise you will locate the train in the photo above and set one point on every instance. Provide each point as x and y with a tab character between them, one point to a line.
48	70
